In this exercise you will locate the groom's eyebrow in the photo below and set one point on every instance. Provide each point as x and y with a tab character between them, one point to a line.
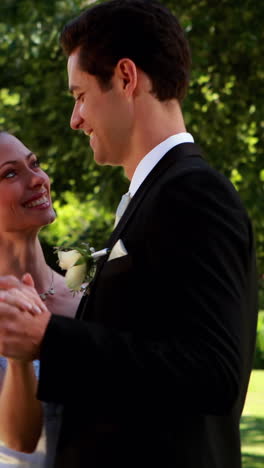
73	88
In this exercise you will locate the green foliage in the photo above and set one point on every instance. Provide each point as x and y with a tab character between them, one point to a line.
77	221
259	354
252	423
35	104
223	110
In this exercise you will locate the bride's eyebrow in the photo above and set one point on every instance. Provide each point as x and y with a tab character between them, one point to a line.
14	161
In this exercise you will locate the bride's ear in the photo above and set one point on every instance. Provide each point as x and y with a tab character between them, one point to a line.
28	280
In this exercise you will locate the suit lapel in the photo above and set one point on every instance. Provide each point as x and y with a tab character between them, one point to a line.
176	156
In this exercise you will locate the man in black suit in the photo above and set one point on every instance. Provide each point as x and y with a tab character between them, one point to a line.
154	370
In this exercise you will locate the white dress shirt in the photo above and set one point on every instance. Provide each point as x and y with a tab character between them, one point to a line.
153	157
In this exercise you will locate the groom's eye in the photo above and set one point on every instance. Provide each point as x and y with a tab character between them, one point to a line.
79	97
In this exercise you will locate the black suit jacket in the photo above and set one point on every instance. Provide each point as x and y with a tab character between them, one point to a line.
155	369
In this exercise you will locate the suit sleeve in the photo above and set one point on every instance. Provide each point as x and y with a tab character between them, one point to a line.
198	247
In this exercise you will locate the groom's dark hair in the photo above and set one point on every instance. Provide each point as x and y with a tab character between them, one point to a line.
141	30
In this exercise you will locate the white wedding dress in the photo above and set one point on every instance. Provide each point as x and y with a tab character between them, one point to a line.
43	456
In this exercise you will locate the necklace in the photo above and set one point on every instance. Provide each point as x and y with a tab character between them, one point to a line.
51	291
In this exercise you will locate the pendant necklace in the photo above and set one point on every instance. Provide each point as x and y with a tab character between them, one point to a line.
51	291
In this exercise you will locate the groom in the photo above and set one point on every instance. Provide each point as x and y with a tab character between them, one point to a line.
154	370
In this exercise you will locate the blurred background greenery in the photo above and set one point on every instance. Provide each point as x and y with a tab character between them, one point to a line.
224	111
252	423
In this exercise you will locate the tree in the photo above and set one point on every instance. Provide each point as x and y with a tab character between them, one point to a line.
36	106
223	110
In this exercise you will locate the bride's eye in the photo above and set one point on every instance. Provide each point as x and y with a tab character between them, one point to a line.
10	174
36	163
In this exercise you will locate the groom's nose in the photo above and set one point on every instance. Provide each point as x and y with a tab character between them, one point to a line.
76	119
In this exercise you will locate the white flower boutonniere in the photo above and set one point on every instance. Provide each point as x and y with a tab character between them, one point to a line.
80	265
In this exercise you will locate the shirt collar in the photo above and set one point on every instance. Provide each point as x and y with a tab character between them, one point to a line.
153	157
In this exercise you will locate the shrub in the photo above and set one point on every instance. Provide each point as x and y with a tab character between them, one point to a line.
259	352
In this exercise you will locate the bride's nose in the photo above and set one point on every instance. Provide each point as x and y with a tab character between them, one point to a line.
37	179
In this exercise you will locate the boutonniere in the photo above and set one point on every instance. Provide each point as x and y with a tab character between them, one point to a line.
80	265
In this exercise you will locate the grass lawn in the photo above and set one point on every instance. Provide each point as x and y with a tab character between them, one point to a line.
252	423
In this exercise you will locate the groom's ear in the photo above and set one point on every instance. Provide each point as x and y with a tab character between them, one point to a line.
127	74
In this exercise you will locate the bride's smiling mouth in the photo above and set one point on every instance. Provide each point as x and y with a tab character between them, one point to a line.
41	201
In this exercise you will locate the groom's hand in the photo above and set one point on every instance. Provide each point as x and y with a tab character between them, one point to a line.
21	330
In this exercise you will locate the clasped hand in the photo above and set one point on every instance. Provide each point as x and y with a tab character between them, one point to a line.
23	318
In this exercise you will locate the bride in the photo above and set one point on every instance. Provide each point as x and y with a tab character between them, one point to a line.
25	207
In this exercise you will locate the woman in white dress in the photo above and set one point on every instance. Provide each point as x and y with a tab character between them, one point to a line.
28	430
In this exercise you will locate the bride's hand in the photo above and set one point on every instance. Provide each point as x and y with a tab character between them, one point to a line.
21	294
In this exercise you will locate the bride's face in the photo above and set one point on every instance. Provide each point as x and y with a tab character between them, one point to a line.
25	202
